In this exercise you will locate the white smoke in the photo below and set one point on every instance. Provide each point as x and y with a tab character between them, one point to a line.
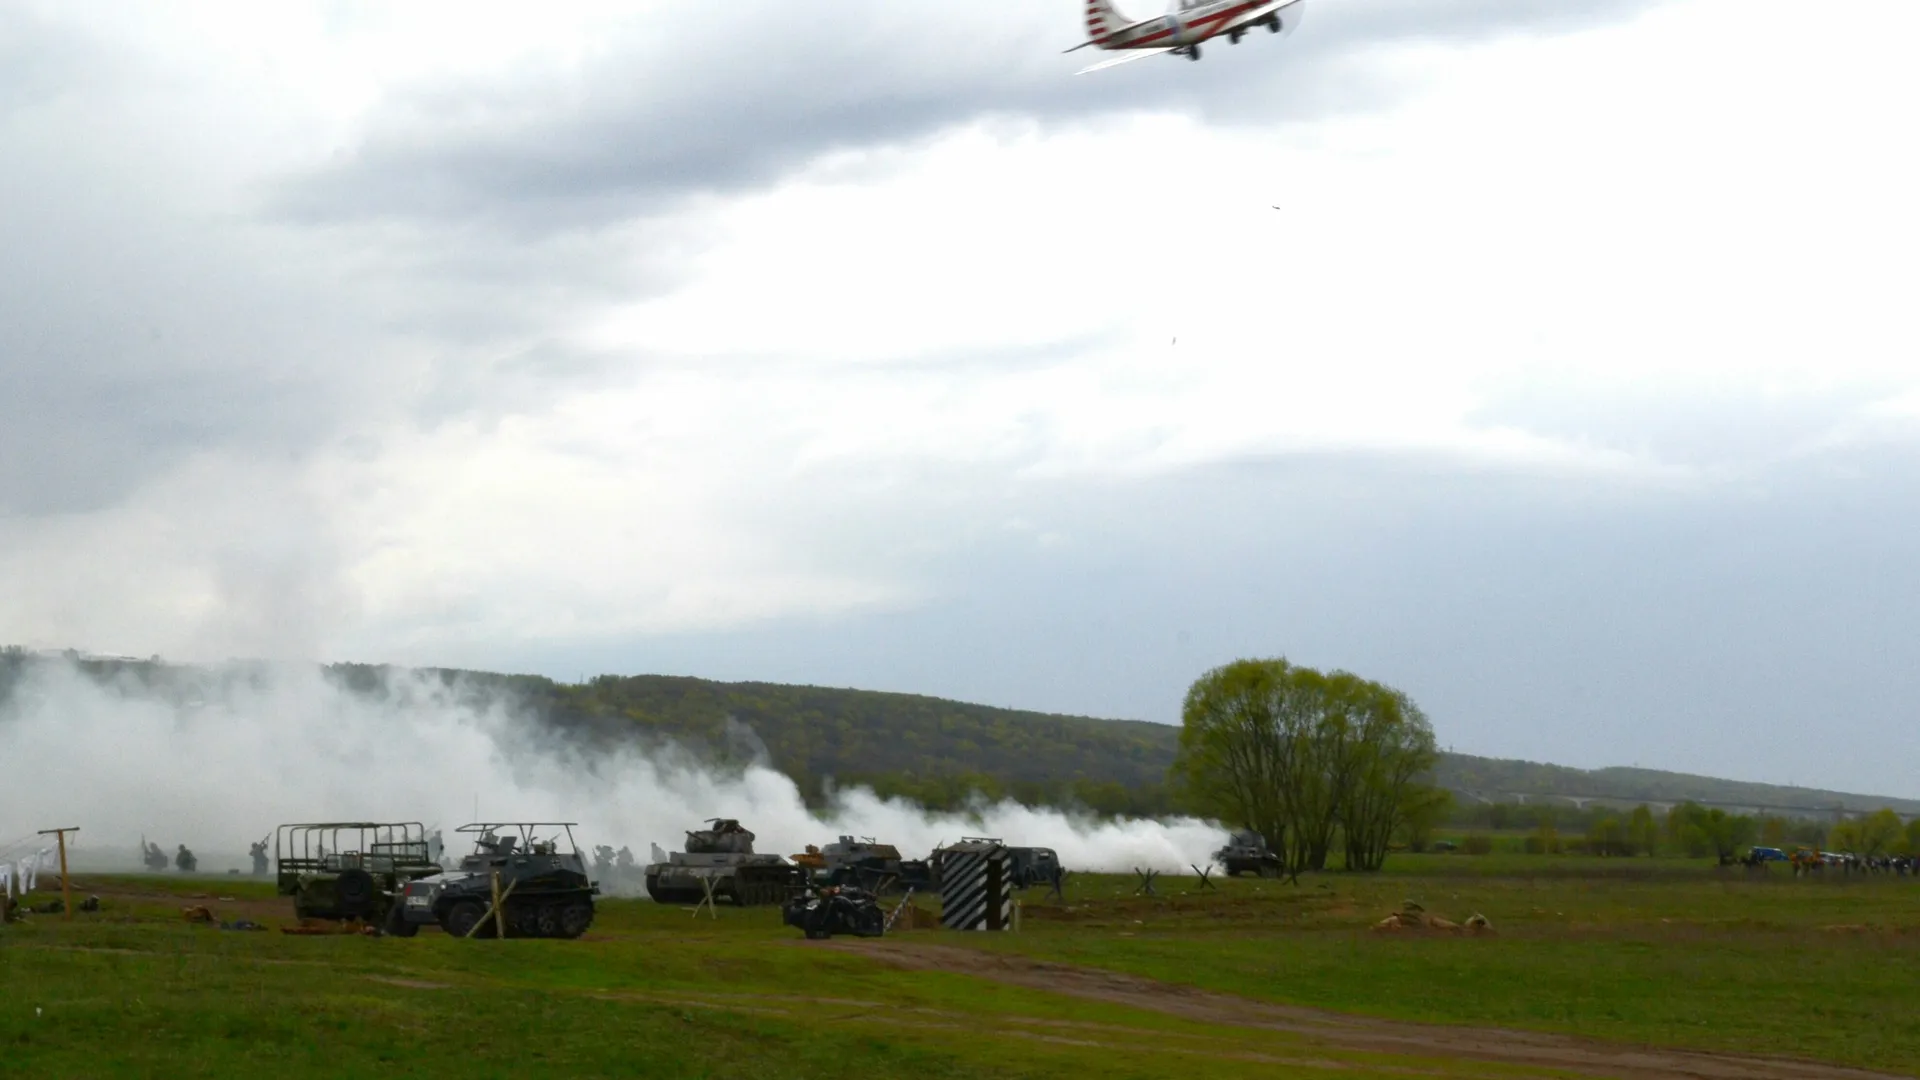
217	763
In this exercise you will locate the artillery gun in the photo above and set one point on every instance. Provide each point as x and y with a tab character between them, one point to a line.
721	856
1245	851
543	886
340	871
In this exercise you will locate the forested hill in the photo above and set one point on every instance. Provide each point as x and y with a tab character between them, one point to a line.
937	751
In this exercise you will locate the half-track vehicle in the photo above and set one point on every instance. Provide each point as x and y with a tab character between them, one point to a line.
722	856
835	909
342	871
544	888
1246	851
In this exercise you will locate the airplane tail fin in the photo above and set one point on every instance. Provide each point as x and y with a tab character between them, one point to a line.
1103	19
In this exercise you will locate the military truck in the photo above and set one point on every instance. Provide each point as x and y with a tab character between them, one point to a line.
1246	851
1031	866
722	856
348	870
544	888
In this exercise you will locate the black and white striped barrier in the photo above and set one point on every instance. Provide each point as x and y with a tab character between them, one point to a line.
976	886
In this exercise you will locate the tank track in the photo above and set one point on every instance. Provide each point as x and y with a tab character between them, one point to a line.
748	886
563	917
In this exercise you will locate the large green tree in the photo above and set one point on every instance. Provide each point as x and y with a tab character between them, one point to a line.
1304	757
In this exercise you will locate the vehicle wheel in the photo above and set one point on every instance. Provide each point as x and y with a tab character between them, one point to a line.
396	924
462	917
575	918
353	890
548	921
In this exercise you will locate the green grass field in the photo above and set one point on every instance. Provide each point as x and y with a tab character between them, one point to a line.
1643	952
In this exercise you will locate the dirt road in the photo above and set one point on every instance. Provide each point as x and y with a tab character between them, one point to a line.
1565	1053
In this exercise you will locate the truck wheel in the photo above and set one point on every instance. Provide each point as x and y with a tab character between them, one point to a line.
353	891
462	917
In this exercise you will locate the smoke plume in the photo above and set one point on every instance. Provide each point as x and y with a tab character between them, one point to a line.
215	758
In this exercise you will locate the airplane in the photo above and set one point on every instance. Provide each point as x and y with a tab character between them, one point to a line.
1182	29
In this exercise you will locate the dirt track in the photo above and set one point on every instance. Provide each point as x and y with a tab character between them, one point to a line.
1533	1049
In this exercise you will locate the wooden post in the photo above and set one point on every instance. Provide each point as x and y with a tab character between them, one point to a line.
499	911
66	888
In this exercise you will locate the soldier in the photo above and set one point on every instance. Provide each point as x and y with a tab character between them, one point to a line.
625	859
435	845
603	860
184	860
259	851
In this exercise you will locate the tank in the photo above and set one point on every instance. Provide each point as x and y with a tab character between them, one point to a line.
865	863
722	854
543	884
1247	851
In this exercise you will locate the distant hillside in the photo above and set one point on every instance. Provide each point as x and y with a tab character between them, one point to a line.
937	751
1502	780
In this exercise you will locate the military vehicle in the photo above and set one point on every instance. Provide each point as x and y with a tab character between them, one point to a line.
1032	865
835	909
346	870
544	887
1246	851
722	856
1026	866
866	863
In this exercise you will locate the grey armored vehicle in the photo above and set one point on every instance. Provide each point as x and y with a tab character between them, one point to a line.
1247	850
866	863
544	885
722	854
345	870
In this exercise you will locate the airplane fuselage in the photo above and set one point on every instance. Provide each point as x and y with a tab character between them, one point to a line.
1191	26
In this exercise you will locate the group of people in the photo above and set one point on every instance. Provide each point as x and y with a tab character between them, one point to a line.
156	859
1807	861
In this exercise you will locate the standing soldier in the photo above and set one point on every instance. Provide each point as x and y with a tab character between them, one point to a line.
184	860
259	851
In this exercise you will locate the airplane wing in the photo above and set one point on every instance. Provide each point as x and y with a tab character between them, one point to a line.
1125	56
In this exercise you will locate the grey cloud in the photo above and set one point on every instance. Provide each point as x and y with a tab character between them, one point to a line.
1567	622
722	103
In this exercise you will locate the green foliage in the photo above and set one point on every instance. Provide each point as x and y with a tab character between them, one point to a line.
1477	844
1302	757
1643	835
1425	808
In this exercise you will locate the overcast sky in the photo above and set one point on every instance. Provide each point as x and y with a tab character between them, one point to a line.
1574	387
